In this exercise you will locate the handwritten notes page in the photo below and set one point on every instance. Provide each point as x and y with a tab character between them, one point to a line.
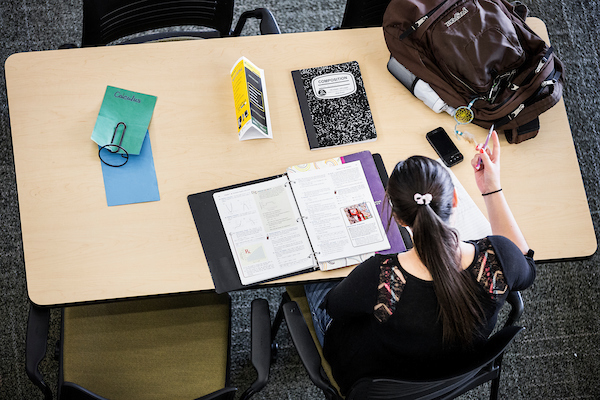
264	230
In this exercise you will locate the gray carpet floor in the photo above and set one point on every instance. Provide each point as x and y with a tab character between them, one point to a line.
558	356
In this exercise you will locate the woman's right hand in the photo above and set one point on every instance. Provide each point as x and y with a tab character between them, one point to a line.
487	175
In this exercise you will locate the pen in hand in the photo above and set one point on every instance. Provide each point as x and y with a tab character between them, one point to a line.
487	139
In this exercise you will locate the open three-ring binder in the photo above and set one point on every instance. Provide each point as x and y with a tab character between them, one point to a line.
323	215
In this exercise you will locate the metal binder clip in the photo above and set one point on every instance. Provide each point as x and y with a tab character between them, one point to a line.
113	148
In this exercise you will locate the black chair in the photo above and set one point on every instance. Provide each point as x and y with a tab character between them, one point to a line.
153	348
105	21
363	14
486	368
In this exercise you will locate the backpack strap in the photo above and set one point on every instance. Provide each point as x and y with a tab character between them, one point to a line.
523	132
520	10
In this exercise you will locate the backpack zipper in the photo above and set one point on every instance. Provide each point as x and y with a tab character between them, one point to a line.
537	70
420	21
463	83
551	79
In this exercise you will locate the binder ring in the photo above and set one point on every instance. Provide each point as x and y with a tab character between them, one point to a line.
116	147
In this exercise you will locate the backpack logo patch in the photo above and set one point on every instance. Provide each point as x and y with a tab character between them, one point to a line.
457	16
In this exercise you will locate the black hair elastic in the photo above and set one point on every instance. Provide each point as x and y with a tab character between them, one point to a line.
495	191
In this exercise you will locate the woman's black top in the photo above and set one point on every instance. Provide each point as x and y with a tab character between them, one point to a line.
385	320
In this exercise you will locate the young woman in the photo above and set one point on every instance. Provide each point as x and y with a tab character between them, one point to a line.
420	313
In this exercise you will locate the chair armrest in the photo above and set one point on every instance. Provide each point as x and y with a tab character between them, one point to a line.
307	349
516	302
499	341
268	25
35	346
227	393
261	345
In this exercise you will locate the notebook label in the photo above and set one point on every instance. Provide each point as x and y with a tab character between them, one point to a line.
335	85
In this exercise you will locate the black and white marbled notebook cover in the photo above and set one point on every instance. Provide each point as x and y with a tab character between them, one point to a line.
334	121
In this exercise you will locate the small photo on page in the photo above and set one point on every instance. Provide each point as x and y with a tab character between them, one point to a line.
362	226
357	213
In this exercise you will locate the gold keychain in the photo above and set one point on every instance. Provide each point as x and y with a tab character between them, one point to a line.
463	116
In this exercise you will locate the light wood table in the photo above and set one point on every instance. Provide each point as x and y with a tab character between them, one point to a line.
78	249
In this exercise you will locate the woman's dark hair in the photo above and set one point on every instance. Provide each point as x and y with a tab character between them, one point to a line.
437	244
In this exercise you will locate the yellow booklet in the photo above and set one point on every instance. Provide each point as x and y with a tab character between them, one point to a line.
251	105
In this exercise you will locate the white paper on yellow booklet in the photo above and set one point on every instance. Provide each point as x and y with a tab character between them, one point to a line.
251	102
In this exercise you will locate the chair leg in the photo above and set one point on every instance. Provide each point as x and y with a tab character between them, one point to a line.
494	389
285	298
307	349
261	346
35	347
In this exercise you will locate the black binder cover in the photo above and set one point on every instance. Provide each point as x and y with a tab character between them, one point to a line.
214	240
381	169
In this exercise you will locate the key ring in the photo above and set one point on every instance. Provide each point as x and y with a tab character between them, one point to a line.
464	115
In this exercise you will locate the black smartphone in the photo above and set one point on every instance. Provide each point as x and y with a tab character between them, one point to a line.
444	146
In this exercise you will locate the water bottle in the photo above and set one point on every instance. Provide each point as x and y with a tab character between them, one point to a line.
419	88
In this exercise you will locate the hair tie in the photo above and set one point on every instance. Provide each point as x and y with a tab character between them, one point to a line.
488	193
423	199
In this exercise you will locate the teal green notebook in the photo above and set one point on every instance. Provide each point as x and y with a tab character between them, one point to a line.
132	109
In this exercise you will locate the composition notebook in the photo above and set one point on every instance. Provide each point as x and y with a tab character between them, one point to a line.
322	215
334	105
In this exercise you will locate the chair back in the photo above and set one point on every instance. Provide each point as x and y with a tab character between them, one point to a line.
156	347
486	368
107	20
364	13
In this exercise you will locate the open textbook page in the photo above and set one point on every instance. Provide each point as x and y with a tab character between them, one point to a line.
339	212
264	230
340	262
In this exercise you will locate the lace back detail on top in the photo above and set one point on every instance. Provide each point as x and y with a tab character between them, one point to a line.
389	290
488	271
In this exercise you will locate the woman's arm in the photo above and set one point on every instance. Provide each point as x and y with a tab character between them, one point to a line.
488	181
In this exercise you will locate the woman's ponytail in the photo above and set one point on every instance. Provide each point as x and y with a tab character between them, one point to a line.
422	193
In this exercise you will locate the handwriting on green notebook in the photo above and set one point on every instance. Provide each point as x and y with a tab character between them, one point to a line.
132	108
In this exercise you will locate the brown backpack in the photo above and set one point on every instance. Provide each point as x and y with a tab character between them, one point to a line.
480	52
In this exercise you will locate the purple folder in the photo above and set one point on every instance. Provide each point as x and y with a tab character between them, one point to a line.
378	192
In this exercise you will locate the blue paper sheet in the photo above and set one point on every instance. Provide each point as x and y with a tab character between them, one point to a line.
134	182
